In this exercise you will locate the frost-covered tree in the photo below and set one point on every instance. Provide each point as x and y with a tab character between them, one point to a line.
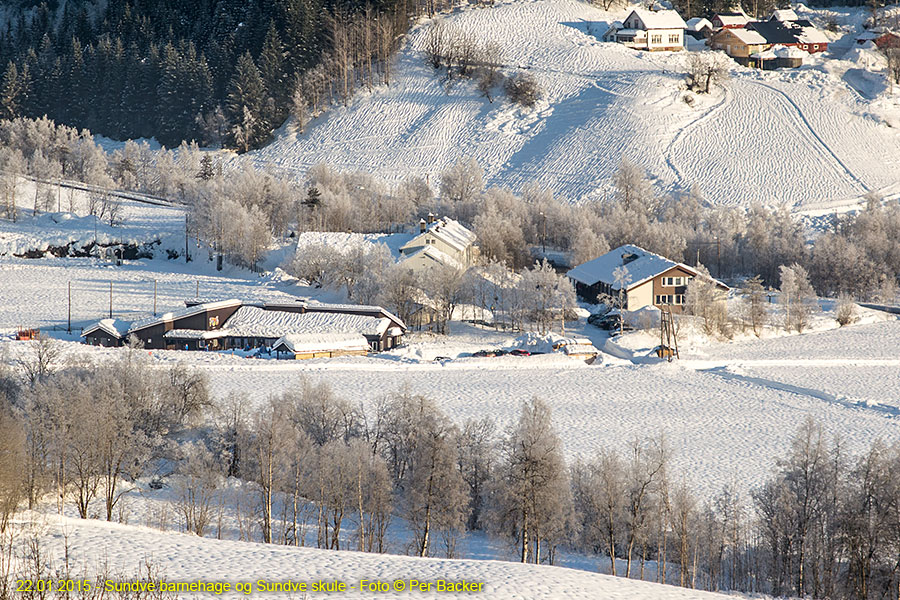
476	449
443	287
531	498
600	491
798	299
704	299
706	70
547	296
461	182
754	299
434	492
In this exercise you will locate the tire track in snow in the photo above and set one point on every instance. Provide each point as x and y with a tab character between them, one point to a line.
724	373
812	132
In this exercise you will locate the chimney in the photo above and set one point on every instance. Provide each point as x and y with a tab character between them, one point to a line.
628	257
430	218
422	225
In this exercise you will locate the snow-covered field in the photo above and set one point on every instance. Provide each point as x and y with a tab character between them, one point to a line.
803	137
123	551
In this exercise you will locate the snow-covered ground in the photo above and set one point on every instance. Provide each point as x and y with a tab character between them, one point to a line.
68	222
806	137
124	551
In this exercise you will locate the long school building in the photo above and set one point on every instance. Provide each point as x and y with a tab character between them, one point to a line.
227	324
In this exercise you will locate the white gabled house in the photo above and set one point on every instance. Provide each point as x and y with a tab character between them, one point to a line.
440	241
649	30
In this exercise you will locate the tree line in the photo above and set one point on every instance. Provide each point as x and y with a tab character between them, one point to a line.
237	209
320	470
217	72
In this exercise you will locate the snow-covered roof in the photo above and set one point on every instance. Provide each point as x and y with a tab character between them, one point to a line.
114	327
783	15
351	308
181	314
321	342
811	35
765	55
641	266
634	32
748	36
436	255
698	24
659	19
448	231
868	35
580	349
194	334
250	321
789	52
315	306
644	266
733	19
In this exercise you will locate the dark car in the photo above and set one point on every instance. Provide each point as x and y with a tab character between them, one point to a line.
441	358
519	352
485	353
612	323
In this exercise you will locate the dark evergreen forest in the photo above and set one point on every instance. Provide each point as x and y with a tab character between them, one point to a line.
215	71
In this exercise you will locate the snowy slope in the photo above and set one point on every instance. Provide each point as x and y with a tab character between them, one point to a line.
802	137
125	550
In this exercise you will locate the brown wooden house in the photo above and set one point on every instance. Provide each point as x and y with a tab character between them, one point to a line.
651	280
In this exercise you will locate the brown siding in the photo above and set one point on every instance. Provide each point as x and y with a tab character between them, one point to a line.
102	338
660	289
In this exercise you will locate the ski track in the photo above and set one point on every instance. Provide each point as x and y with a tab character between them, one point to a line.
817	137
726	99
798	138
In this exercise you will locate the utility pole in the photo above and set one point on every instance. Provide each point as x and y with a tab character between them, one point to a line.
154	297
110	299
187	252
718	259
69	328
543	233
197	295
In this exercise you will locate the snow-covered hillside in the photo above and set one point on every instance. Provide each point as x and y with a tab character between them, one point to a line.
123	552
801	137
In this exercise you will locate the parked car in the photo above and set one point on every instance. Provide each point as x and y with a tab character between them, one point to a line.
441	358
597	317
612	322
485	353
519	352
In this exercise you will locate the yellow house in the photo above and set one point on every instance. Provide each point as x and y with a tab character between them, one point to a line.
739	44
442	241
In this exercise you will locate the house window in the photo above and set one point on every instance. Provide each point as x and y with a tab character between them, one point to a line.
679	298
815	46
656	38
673	38
673	281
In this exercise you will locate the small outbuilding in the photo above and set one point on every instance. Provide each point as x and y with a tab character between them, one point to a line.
301	346
106	332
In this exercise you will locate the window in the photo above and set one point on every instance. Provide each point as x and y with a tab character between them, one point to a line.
656	38
673	281
815	46
674	38
679	298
